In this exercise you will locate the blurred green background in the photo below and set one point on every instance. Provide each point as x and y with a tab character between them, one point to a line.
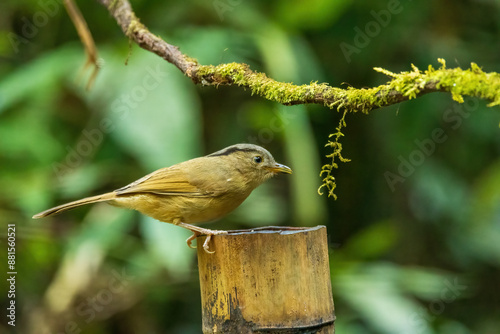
419	253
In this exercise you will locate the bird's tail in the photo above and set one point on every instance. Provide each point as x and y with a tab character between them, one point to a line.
87	200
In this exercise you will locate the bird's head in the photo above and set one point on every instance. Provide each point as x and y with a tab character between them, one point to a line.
252	161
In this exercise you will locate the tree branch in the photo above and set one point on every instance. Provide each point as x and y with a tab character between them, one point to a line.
403	86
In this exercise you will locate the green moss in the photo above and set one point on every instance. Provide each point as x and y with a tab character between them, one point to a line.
459	82
259	83
328	180
402	86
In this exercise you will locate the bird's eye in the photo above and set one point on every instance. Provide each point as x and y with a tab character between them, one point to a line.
257	159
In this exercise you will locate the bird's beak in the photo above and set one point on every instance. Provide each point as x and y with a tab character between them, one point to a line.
279	168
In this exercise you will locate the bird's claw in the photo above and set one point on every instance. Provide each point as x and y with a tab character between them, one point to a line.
190	240
209	235
205	245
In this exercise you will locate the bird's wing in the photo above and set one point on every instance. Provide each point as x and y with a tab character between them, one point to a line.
165	181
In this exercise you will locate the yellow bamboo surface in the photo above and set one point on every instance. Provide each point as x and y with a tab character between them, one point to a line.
267	280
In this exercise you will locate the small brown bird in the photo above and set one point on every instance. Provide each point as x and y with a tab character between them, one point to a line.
194	191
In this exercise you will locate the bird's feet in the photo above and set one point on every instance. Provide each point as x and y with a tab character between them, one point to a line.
198	231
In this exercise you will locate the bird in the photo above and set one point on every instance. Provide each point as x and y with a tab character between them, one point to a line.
195	191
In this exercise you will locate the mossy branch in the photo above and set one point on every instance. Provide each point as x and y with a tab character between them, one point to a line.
401	87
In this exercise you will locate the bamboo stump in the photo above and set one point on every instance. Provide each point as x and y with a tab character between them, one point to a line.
267	280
